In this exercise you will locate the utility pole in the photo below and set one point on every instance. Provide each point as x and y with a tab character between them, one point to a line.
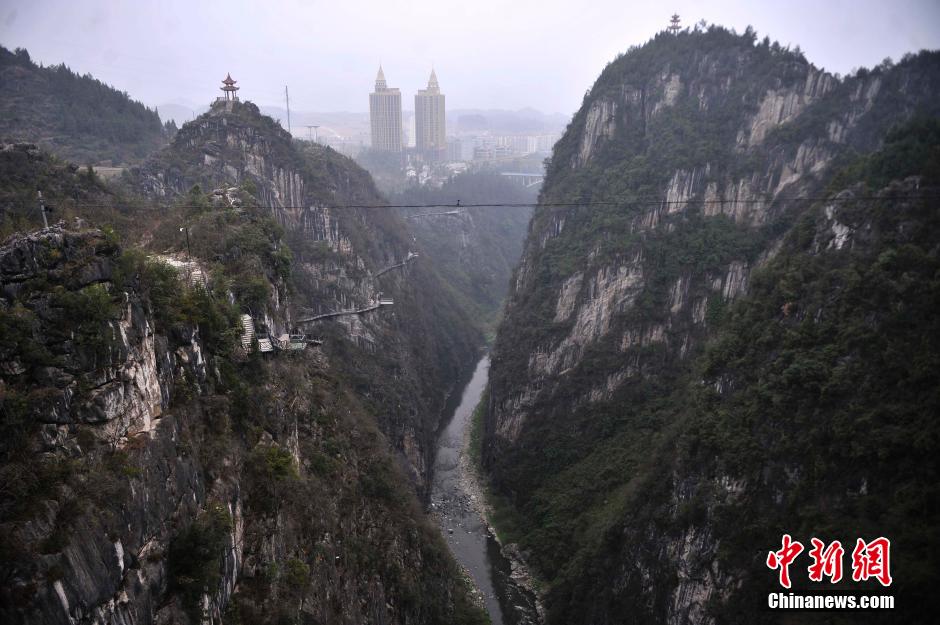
287	99
42	210
189	250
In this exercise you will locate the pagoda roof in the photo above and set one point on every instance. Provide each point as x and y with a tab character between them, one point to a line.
228	80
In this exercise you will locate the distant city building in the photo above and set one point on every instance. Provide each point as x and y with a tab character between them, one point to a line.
430	134
483	153
454	150
466	148
545	143
408	130
506	146
516	144
385	116
492	151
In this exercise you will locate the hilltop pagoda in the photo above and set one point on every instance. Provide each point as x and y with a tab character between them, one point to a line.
674	26
228	88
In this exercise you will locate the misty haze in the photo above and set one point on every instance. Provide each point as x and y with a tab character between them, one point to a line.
530	313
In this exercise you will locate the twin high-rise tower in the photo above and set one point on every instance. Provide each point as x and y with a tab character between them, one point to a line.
430	133
385	118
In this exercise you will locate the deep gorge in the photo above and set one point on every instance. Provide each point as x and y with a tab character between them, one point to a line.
717	325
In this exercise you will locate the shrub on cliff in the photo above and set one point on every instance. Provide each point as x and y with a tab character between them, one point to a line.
195	557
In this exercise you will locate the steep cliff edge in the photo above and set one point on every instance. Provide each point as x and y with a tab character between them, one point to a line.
687	158
409	357
156	471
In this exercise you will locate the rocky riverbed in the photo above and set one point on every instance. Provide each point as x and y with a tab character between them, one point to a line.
503	583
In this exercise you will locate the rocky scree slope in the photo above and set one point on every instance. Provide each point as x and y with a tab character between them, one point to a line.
700	140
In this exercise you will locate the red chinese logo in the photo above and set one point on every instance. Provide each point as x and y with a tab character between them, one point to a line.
782	559
827	561
872	560
869	560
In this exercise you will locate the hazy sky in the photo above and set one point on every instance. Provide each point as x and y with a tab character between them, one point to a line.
488	54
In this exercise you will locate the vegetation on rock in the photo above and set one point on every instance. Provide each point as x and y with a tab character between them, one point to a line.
652	388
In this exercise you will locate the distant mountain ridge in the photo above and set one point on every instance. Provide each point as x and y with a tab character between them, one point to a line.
77	117
524	120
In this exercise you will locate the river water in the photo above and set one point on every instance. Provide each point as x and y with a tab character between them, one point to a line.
454	503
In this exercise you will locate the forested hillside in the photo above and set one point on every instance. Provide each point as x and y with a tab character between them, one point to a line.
701	354
76	117
163	465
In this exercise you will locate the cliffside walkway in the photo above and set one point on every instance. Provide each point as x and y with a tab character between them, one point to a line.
411	256
270	343
355	311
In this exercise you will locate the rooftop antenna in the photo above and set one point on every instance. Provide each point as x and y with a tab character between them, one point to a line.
287	100
42	209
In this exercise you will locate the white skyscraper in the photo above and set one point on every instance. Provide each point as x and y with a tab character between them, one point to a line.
430	130
385	116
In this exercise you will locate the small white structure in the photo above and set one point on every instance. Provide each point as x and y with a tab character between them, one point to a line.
248	332
289	342
198	278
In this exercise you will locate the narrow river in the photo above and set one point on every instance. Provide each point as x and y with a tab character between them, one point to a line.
457	510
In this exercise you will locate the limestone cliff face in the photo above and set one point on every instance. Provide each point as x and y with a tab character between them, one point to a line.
141	494
164	476
340	255
230	143
693	148
111	377
748	180
233	144
130	382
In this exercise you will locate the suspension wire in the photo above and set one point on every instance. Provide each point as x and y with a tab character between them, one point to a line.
571	204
